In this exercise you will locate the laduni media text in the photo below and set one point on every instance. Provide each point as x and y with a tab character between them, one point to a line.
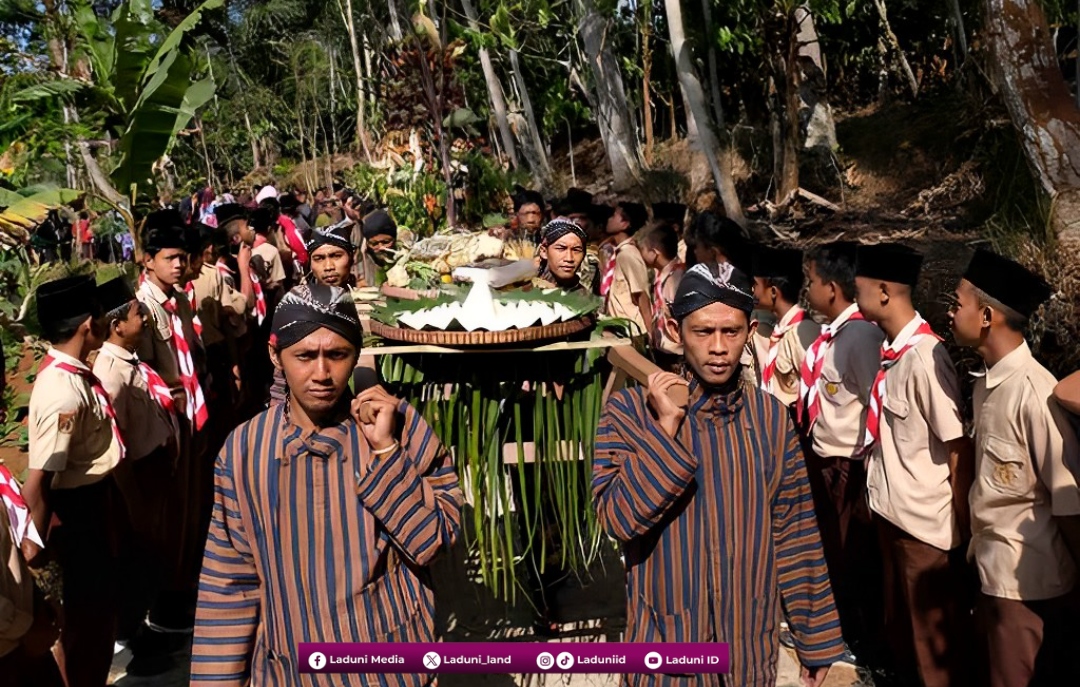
514	658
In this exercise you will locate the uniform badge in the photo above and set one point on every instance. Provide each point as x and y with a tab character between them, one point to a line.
831	388
66	423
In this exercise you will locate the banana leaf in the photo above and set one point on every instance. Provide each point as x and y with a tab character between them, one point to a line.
26	212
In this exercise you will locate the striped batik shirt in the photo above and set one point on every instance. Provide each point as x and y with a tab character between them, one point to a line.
718	532
314	539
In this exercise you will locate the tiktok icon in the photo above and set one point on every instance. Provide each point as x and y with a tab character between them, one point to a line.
317	660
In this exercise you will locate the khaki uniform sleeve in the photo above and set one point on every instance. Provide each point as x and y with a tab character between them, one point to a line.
233	301
633	266
937	390
864	359
52	432
1054	450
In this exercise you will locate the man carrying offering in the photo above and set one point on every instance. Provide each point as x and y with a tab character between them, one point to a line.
712	504
371	500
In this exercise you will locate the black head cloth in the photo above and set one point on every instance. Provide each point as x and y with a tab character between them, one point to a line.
560	227
334	235
378	223
708	283
310	307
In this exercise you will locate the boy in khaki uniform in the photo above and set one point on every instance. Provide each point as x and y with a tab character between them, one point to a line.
834	391
74	447
658	244
625	283
778	282
1025	502
918	469
173	349
146	415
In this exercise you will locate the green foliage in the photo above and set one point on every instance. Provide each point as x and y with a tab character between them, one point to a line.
476	404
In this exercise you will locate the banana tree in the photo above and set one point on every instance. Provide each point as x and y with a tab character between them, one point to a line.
143	72
21	211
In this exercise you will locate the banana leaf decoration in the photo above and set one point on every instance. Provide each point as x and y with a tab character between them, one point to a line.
476	404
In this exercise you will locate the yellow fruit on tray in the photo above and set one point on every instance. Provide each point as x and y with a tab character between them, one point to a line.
447	279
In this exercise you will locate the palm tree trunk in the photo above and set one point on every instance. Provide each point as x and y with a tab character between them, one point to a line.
646	76
689	81
498	103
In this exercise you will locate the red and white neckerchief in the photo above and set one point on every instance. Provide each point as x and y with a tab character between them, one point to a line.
260	298
160	392
889	357
223	269
808	407
608	278
659	302
196	323
196	403
100	394
778	333
22	525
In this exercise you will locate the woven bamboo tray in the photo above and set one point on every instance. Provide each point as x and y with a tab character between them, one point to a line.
481	338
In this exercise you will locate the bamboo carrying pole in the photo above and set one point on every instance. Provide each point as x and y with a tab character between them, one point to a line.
639	368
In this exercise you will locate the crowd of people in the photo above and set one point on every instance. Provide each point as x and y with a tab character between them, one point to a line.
203	466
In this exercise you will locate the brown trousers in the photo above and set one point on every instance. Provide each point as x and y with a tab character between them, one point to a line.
848	539
1031	643
85	545
927	607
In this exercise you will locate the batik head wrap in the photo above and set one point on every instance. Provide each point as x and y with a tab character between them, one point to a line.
560	227
334	235
708	283
310	307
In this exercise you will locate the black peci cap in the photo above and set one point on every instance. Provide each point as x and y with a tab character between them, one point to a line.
115	293
67	299
1007	281
890	262
228	212
669	212
778	262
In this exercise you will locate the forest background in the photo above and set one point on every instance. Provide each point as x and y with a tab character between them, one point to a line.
944	123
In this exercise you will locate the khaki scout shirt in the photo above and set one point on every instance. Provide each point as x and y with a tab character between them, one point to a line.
1025	474
16	592
157	349
217	304
851	363
631	278
791	349
907	473
272	270
70	435
143	422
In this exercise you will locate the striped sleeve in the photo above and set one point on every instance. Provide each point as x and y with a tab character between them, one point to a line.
803	576
414	492
638	472
228	608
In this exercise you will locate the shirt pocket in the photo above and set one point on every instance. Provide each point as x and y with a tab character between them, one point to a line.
833	389
1005	468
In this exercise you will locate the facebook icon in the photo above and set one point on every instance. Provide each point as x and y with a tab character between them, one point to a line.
317	660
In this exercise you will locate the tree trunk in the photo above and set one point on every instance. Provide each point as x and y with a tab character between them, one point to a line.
358	68
695	95
646	76
498	103
691	123
395	24
894	45
612	112
961	34
532	144
1040	106
817	127
714	75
